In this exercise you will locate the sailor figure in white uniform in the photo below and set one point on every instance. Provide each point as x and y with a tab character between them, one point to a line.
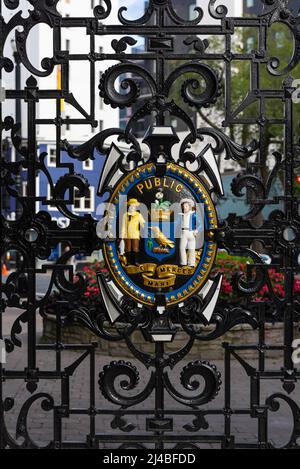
191	230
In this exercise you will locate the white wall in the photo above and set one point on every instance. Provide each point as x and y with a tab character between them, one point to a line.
40	46
79	76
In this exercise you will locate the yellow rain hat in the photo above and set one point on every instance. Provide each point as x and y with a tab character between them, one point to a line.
133	202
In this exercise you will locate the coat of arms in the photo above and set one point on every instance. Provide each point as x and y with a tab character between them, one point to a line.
160	243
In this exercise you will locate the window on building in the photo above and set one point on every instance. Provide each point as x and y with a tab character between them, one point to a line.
88	165
88	201
77	200
52	157
85	203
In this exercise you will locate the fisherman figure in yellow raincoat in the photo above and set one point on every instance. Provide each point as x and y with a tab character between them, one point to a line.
132	222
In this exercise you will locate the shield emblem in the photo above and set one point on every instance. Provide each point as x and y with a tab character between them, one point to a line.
160	243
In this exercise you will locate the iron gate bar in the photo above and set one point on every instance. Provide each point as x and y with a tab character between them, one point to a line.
235	234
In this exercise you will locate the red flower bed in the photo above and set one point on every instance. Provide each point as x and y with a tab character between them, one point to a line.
229	266
92	283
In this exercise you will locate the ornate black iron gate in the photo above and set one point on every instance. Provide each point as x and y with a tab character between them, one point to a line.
160	315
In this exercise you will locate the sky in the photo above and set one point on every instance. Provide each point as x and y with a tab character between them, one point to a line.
135	7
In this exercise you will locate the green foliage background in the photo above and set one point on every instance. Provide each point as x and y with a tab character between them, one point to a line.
280	44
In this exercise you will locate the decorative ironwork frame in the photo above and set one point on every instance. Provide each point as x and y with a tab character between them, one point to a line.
158	25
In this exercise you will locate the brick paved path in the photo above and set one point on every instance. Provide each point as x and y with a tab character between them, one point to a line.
76	427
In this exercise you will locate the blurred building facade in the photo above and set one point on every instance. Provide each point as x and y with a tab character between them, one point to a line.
75	42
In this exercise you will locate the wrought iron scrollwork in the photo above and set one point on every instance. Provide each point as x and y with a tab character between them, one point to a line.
272	221
211	387
101	12
107	384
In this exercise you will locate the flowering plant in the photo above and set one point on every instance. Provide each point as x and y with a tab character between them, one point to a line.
234	265
90	299
226	264
90	273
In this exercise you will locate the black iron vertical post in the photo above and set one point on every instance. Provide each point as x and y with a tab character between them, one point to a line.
289	210
159	390
18	120
31	100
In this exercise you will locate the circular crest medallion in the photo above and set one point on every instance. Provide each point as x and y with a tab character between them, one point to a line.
164	234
